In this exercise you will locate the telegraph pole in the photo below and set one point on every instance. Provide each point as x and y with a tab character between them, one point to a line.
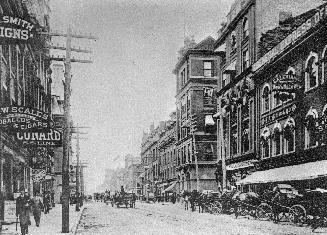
67	116
78	168
66	137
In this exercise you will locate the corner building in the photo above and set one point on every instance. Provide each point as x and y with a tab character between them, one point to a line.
196	82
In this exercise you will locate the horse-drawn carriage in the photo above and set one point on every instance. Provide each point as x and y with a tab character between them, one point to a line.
126	199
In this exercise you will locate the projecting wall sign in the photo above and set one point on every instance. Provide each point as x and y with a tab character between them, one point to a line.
19	118
13	29
52	138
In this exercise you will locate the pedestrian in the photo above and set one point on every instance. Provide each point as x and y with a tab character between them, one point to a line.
37	208
23	207
173	198
46	203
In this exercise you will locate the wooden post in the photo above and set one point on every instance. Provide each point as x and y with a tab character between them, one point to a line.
77	170
66	137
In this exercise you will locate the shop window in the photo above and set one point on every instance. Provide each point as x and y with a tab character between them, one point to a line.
265	98
245	59
245	28
311	72
207	68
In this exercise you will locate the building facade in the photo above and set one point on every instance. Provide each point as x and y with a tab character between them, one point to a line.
196	82
238	106
291	91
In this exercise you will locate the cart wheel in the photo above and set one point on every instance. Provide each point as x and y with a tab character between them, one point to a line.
298	214
264	212
216	208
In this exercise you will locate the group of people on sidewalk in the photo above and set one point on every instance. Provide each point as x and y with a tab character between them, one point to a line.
25	205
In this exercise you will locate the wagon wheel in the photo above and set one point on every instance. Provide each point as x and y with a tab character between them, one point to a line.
297	214
241	210
264	212
216	208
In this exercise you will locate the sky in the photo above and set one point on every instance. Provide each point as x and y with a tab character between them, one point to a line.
130	83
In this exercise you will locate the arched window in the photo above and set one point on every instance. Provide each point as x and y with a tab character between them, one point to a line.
245	28
265	98
311	128
311	71
289	135
265	143
324	65
233	40
277	139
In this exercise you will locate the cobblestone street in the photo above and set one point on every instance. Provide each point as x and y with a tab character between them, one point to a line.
100	218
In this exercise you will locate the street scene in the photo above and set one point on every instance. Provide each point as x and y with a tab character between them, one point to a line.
163	117
168	218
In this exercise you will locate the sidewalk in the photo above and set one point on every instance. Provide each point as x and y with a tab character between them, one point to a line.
50	223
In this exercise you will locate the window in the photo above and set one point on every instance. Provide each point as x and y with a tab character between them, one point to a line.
289	135
183	77
207	68
311	72
224	80
265	143
311	128
245	128
265	98
233	41
245	59
324	65
234	133
245	28
277	139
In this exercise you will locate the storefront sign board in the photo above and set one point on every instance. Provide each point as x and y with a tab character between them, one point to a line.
14	29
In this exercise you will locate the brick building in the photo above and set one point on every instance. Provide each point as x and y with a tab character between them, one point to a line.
238	104
196	81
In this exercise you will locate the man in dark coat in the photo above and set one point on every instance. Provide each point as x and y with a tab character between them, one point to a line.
23	204
46	203
37	207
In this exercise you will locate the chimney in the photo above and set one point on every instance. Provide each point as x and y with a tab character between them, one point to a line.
285	17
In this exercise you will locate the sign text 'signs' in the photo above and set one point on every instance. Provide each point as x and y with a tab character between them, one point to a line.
12	27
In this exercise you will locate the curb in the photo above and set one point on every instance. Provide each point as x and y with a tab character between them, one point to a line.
74	227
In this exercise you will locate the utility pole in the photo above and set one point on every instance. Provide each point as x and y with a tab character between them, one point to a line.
67	116
78	172
223	149
66	137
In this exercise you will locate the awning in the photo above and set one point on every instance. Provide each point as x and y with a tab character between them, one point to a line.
231	67
209	120
311	170
170	188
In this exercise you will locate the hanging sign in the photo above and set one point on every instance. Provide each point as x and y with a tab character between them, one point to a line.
20	118
14	29
286	83
52	138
